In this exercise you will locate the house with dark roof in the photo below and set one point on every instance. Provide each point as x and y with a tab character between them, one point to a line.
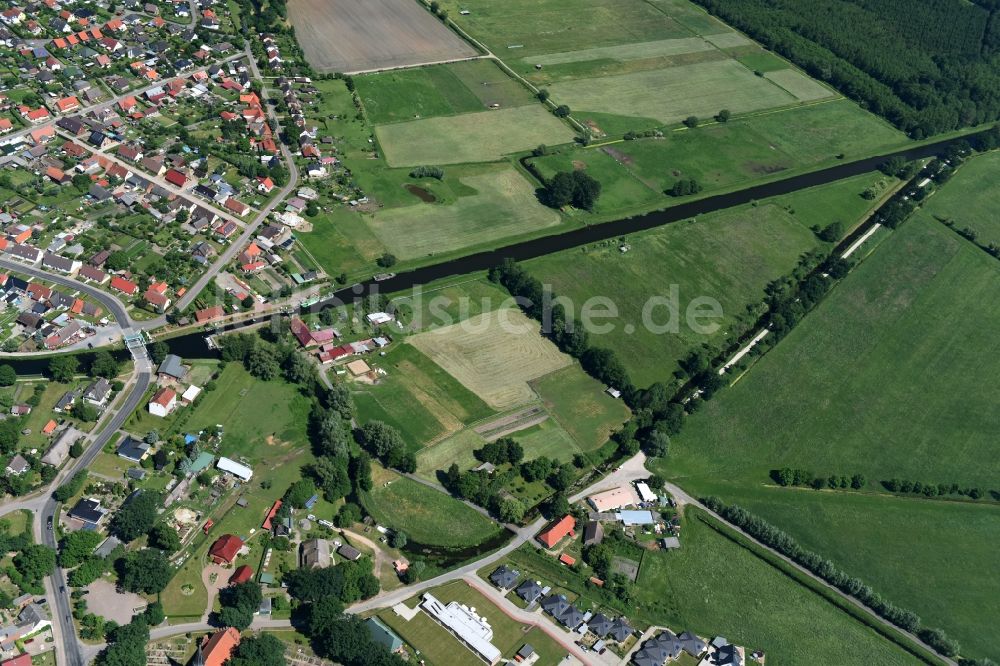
349	553
132	449
728	655
555	604
89	511
529	590
593	533
17	465
572	617
505	577
98	392
620	630
172	367
600	625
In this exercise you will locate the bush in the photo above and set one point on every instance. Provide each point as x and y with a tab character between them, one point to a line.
428	172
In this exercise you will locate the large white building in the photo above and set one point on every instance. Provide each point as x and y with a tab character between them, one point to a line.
468	627
241	472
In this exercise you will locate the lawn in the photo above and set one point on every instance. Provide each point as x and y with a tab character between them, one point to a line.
712	586
971	200
728	256
428	516
888	377
580	405
16	522
921	554
470	137
502	205
453	300
417	397
494	355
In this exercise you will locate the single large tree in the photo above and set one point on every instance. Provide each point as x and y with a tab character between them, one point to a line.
145	571
63	368
136	517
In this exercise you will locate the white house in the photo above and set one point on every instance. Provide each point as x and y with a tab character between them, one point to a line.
163	402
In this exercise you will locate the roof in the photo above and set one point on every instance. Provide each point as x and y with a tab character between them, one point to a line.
164	397
529	590
235	468
616	498
566	559
636	517
19	660
315	553
383	634
270	514
209	313
226	547
555	533
88	510
349	552
219	647
132	449
241	575
473	630
172	365
505	577
593	533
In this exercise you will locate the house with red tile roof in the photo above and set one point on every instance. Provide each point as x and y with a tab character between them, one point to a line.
119	283
157	299
225	548
19	660
175	177
218	648
163	402
67	104
237	207
5	125
208	314
558	531
241	575
271	514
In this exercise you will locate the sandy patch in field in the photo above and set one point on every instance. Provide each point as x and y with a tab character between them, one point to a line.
494	355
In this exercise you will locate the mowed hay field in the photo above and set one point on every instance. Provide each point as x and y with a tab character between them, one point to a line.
504	205
894	375
672	94
926	555
728	256
971	199
351	36
494	355
471	137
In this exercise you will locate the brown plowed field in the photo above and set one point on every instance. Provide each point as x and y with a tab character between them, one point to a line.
352	36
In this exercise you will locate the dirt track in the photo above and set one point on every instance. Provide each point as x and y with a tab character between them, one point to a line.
352	36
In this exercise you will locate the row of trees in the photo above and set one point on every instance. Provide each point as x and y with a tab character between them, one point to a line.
907	487
783	543
803	477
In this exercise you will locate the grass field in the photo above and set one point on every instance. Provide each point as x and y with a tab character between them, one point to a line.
971	200
438	90
723	155
580	405
712	586
471	137
944	545
674	93
729	256
417	397
502	206
887	377
494	355
442	649
428	516
522	28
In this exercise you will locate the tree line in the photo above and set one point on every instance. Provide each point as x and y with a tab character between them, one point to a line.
782	542
803	477
927	67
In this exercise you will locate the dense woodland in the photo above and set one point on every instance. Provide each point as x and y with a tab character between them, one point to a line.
928	66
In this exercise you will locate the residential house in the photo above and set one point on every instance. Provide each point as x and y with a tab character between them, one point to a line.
504	577
17	465
218	648
88	511
557	531
172	368
225	549
131	449
164	401
315	553
98	392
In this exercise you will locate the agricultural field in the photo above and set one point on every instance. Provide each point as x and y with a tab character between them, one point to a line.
501	205
656	63
345	36
922	554
970	200
713	586
841	386
438	90
482	136
429	516
580	405
635	174
494	355
418	398
728	256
